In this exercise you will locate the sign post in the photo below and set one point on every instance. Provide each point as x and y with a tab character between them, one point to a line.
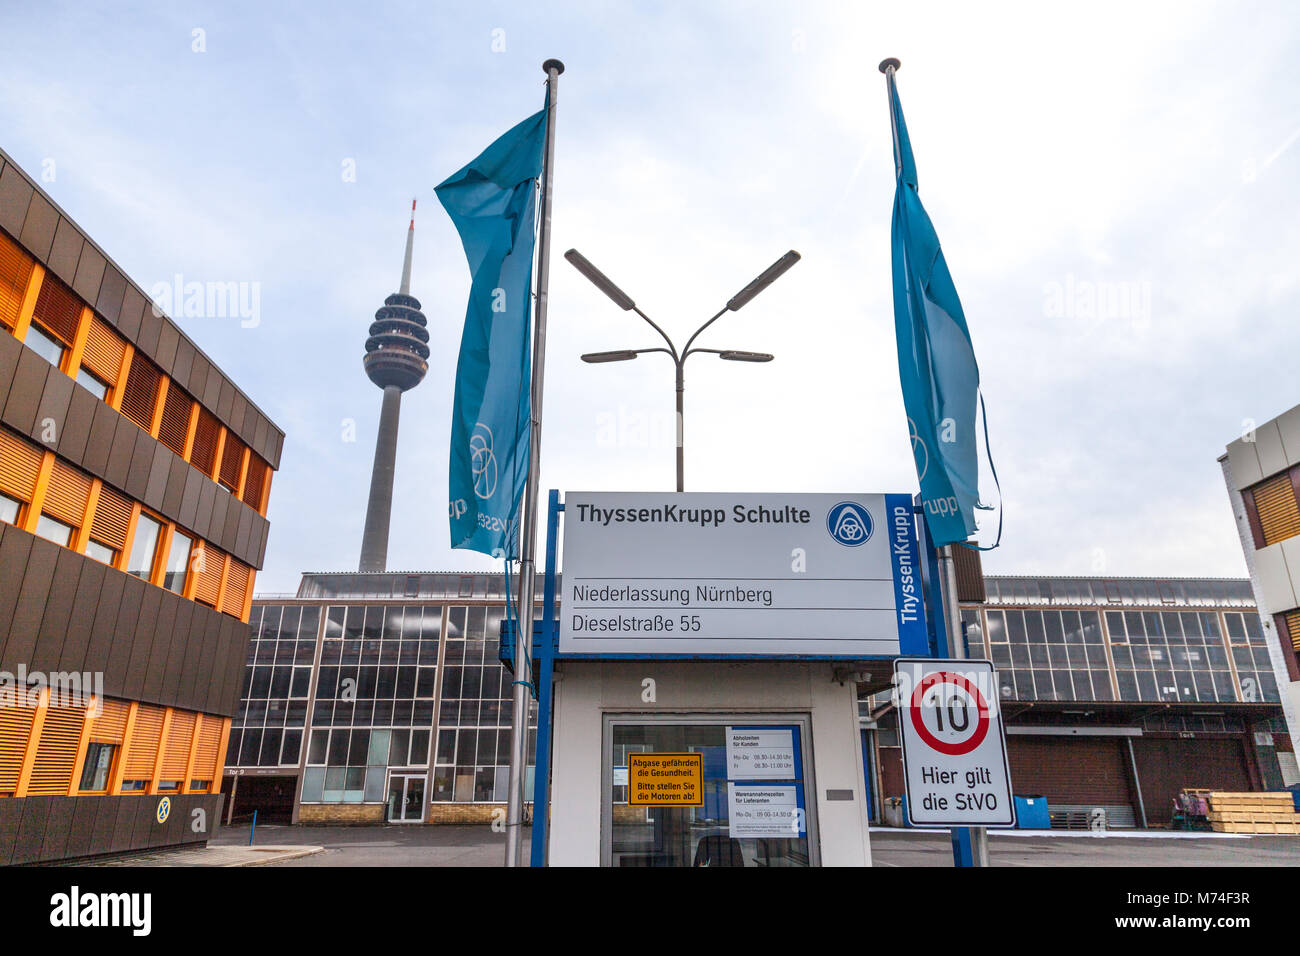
954	744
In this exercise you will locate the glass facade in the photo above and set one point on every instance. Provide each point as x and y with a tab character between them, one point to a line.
1129	655
362	698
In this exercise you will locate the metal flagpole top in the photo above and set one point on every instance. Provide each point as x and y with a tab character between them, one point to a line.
890	63
553	64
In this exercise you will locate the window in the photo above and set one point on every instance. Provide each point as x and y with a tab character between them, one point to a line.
99	763
1275	510
46	346
169	786
95	386
178	562
52	530
147	532
135	786
100	552
200	786
9	508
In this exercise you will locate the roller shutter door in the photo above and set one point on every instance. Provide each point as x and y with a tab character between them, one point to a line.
1074	771
1168	764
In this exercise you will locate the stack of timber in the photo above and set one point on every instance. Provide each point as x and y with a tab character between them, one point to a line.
1253	812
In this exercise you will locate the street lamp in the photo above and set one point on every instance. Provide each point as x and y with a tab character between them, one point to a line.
734	304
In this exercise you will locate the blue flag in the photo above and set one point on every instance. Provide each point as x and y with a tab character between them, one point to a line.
492	202
936	361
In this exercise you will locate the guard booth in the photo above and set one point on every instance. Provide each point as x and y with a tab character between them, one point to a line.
696	671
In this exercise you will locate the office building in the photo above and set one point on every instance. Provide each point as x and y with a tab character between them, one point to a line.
1116	692
134	478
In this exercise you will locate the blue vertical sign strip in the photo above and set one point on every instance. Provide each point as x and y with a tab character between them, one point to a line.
904	555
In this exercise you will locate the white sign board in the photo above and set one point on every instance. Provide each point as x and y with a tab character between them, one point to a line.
763	810
954	744
760	753
740	574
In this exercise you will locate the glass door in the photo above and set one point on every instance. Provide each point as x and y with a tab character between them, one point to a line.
406	798
705	790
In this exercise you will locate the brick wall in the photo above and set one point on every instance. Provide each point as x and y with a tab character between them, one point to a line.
471	812
340	814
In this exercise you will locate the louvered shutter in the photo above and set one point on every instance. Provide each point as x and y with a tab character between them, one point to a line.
232	457
1292	619
207	759
104	351
68	494
20	463
141	391
204	455
236	588
110	726
142	749
254	483
15	274
56	754
15	729
176	758
208	588
175	419
1275	503
112	518
58	310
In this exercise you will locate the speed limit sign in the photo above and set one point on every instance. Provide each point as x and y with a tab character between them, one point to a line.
954	746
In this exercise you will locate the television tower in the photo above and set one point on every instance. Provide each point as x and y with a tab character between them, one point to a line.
396	360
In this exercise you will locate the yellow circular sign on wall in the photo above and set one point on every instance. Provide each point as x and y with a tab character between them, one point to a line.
164	808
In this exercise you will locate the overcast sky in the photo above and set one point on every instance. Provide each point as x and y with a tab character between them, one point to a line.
1115	185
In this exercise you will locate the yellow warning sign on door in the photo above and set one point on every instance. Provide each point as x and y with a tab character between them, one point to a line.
665	780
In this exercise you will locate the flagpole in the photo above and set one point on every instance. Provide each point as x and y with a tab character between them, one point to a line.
527	566
979	837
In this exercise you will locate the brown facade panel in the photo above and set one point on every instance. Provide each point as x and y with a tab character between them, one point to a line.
117	661
168	340
183	363
171	682
102	631
99	445
111	292
33	593
212	388
203	516
171	502
11	351
142	638
151	324
134	306
225	401
81	622
159	471
39	227
66	251
15	196
89	274
52	409
194	483
25	392
120	452
47	654
162	635
76	425
137	474
198	382
15	549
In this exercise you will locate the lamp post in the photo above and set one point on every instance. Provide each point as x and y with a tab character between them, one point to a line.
734	304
